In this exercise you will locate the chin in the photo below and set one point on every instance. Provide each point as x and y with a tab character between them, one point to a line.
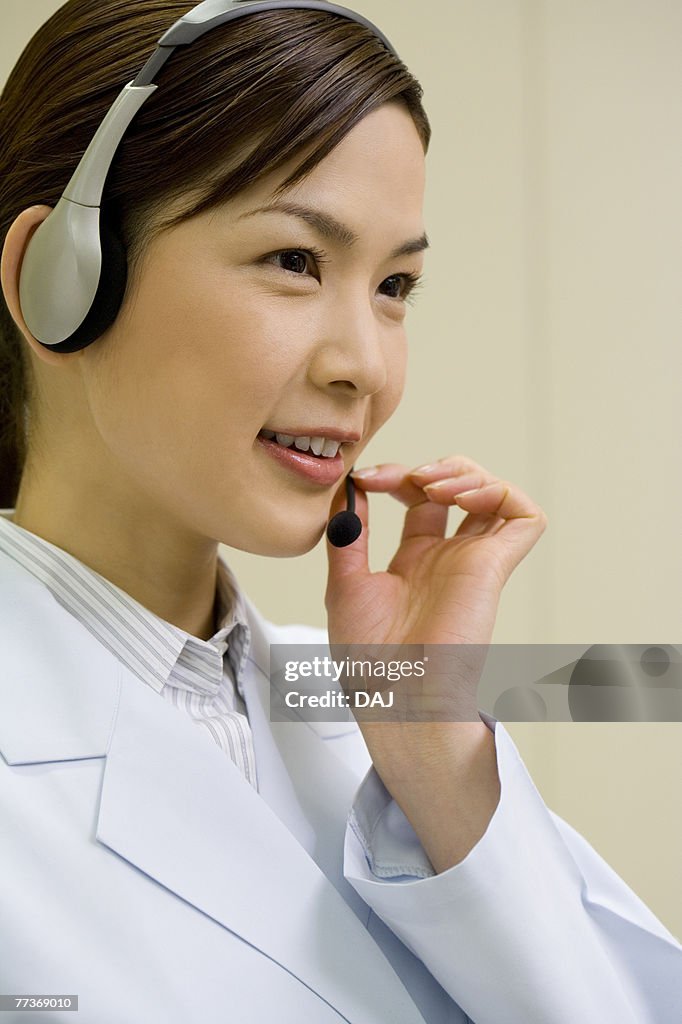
287	544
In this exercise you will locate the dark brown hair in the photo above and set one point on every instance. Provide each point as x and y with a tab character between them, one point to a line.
301	77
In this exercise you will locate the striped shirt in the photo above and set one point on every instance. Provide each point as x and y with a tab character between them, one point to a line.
193	674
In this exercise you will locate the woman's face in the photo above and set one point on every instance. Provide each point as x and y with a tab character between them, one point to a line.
229	331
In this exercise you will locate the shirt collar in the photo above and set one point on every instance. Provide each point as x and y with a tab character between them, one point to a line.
158	652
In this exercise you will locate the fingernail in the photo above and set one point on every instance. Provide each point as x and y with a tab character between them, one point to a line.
474	490
362	473
425	469
439	483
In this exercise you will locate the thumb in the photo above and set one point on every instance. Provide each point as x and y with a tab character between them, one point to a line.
353	558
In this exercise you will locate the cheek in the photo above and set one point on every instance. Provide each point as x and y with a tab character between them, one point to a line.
188	366
214	335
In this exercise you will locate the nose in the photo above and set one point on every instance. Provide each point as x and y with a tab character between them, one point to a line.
352	353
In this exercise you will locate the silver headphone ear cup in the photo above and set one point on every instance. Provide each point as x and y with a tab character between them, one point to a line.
73	277
110	290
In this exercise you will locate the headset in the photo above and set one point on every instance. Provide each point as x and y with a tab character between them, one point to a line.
74	272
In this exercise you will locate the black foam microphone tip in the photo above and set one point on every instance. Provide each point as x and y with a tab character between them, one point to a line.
344	528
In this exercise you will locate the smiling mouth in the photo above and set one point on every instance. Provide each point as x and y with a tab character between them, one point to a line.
322	470
325	449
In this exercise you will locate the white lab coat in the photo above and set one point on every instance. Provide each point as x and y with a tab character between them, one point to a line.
140	871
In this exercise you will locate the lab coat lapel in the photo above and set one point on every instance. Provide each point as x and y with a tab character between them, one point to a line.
299	776
58	684
176	807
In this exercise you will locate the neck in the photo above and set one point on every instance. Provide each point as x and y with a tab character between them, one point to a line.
160	564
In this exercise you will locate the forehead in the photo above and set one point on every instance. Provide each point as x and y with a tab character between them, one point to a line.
373	180
375	174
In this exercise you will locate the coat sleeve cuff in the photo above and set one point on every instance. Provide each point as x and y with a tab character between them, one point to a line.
389	842
531	905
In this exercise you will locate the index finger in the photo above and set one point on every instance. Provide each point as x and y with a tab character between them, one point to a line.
424	517
392	478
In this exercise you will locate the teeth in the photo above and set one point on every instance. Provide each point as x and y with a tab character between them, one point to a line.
330	449
325	447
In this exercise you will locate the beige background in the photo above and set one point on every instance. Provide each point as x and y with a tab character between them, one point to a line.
546	345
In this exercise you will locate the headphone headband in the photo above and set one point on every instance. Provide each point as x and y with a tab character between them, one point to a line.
74	271
211	13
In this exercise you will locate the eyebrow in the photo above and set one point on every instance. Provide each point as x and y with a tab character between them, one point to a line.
333	229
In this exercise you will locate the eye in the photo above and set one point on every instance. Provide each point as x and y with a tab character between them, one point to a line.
297	257
411	282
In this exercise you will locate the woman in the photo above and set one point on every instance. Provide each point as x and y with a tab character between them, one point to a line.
212	865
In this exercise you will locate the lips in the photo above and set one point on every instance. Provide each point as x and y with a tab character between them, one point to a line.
319	470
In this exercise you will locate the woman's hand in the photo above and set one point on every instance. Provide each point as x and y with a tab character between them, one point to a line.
436	590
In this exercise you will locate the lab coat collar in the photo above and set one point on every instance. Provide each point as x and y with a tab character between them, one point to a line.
175	806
